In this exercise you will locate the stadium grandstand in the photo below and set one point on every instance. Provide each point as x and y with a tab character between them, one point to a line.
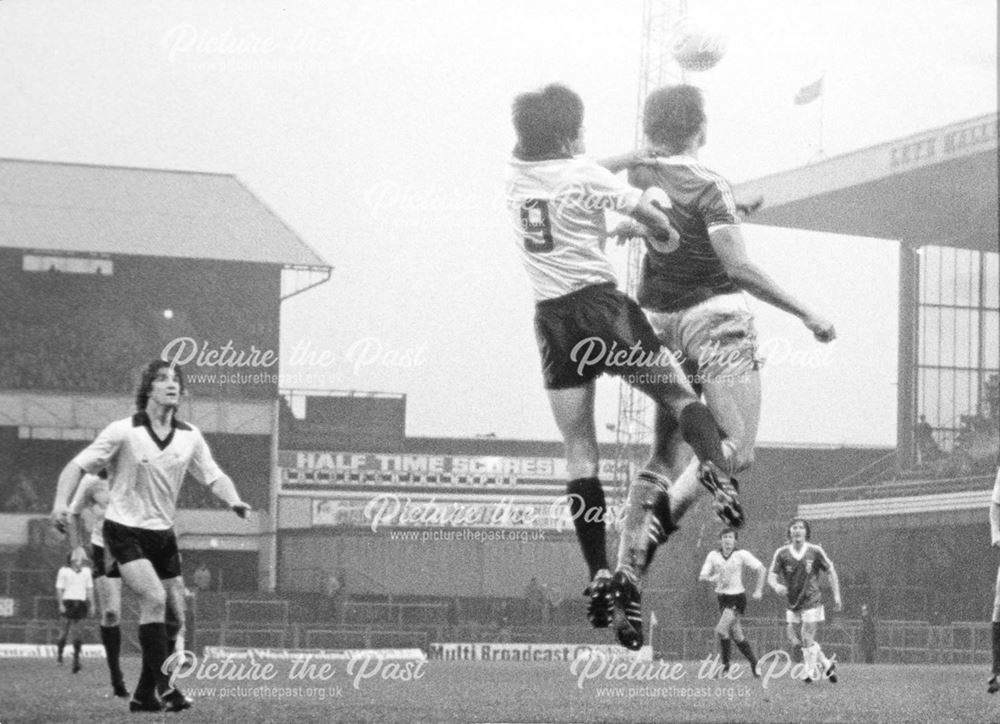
908	524
103	269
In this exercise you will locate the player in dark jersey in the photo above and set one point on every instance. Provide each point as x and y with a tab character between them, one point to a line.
693	290
794	573
585	326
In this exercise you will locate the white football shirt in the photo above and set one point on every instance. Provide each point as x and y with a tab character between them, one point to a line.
730	570
557	210
145	473
74	584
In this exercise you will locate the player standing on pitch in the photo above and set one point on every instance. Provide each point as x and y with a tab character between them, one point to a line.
558	201
693	290
993	686
794	573
724	567
74	591
147	456
92	495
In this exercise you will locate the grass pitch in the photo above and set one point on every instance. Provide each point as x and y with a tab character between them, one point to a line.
39	690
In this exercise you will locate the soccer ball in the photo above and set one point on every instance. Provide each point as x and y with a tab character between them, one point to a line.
695	46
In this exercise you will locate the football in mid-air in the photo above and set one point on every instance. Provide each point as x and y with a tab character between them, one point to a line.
695	45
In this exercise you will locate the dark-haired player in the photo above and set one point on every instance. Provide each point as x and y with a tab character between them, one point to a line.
794	573
693	290
585	326
75	593
92	497
724	568
147	456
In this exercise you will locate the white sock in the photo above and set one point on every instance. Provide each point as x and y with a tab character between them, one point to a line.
820	657
809	659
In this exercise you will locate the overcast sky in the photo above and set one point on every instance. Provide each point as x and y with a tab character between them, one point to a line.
379	132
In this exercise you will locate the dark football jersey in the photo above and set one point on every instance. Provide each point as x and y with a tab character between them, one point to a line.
800	574
702	201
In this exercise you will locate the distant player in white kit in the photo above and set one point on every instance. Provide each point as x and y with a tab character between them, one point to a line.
147	456
794	573
993	686
724	568
75	593
585	326
92	496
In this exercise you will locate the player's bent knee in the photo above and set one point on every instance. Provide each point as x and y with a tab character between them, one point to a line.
110	618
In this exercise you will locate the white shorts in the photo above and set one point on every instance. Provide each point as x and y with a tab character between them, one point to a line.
716	339
816	614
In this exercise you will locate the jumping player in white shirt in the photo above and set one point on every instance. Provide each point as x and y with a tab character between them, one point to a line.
585	326
724	568
92	497
147	456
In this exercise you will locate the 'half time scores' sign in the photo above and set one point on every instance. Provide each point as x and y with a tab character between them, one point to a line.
373	469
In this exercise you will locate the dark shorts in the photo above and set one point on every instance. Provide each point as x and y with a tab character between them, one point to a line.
103	563
159	547
75	610
735	601
573	330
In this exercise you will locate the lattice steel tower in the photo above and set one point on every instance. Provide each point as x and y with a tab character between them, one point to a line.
656	68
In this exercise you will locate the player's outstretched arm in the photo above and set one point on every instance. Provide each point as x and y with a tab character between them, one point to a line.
838	604
69	479
728	244
650	212
758	591
995	525
772	578
622	162
77	528
60	589
707	572
224	489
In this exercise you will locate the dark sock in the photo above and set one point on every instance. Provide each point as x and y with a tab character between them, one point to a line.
700	431
996	647
747	651
173	628
153	640
587	501
724	647
111	637
145	688
60	645
77	645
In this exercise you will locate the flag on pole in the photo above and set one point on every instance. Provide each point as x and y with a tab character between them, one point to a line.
652	618
809	93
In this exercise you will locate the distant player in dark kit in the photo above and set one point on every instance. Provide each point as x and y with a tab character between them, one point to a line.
724	568
993	686
692	290
585	326
147	456
92	498
75	593
794	573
